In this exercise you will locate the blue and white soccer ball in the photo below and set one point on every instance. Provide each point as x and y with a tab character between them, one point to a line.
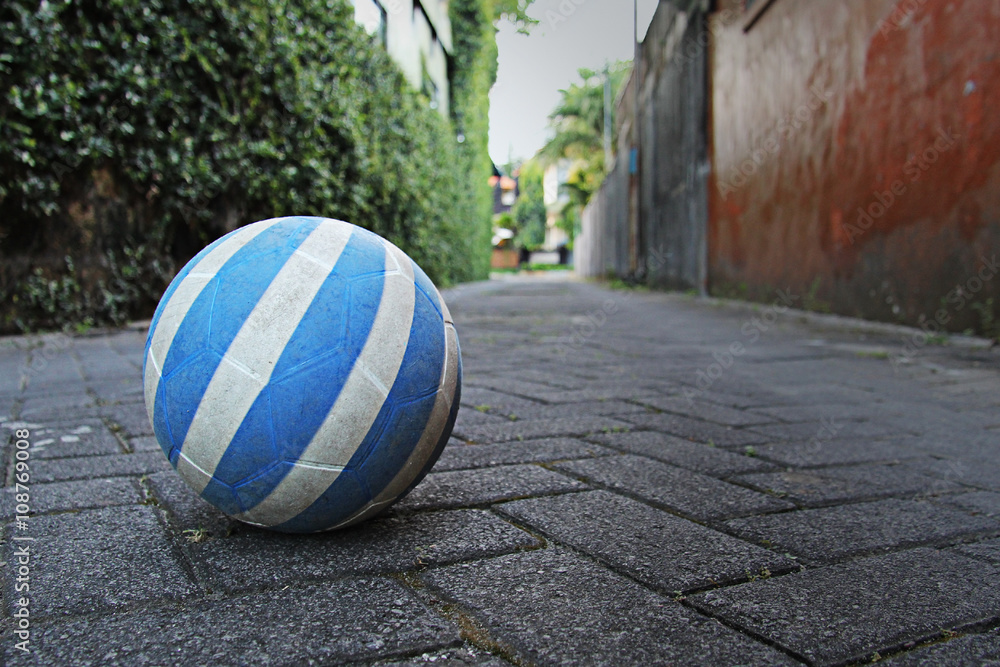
302	374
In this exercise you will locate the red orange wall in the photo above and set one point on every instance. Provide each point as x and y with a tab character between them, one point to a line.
868	134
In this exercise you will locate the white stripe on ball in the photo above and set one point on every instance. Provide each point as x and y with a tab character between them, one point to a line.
428	440
182	299
357	406
252	356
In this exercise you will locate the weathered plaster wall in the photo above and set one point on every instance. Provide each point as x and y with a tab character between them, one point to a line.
856	155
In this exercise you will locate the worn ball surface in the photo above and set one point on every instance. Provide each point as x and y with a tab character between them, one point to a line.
302	374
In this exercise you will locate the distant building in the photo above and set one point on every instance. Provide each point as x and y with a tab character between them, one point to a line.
556	174
504	192
417	35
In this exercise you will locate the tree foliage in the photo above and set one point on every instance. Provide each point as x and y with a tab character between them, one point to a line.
515	11
578	123
529	211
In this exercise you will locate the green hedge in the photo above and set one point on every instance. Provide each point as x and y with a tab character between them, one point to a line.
134	133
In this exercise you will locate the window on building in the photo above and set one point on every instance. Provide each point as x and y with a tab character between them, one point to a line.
430	89
372	16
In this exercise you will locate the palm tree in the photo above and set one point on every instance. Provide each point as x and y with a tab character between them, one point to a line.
579	121
579	125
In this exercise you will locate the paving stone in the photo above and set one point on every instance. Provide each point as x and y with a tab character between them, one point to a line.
53	406
85	467
980	650
848	612
819	410
62	496
458	455
187	511
829	486
706	411
819	453
683	453
979	471
554	607
988	550
694	429
98	560
833	533
452	657
512	386
471	420
496	401
807	431
145	443
462	488
609	408
329	624
52	378
755	399
605	392
131	417
986	503
794	392
107	366
659	549
394	543
525	429
689	493
81	437
122	390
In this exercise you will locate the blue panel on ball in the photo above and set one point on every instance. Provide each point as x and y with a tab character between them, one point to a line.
181	393
328	511
403	429
171	288
314	365
399	424
253	447
225	309
193	338
160	427
425	285
446	432
223	497
419	375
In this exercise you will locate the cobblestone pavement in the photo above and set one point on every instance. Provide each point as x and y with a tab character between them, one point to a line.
635	478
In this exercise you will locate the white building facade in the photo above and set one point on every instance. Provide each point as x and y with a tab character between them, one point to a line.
555	200
417	36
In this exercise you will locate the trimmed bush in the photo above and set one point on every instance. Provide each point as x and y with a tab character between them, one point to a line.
134	133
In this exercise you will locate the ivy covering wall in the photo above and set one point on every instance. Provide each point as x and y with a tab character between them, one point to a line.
134	133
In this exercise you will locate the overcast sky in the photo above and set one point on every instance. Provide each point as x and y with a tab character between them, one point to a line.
571	34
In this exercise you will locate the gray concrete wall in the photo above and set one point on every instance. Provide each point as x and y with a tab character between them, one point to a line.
651	226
